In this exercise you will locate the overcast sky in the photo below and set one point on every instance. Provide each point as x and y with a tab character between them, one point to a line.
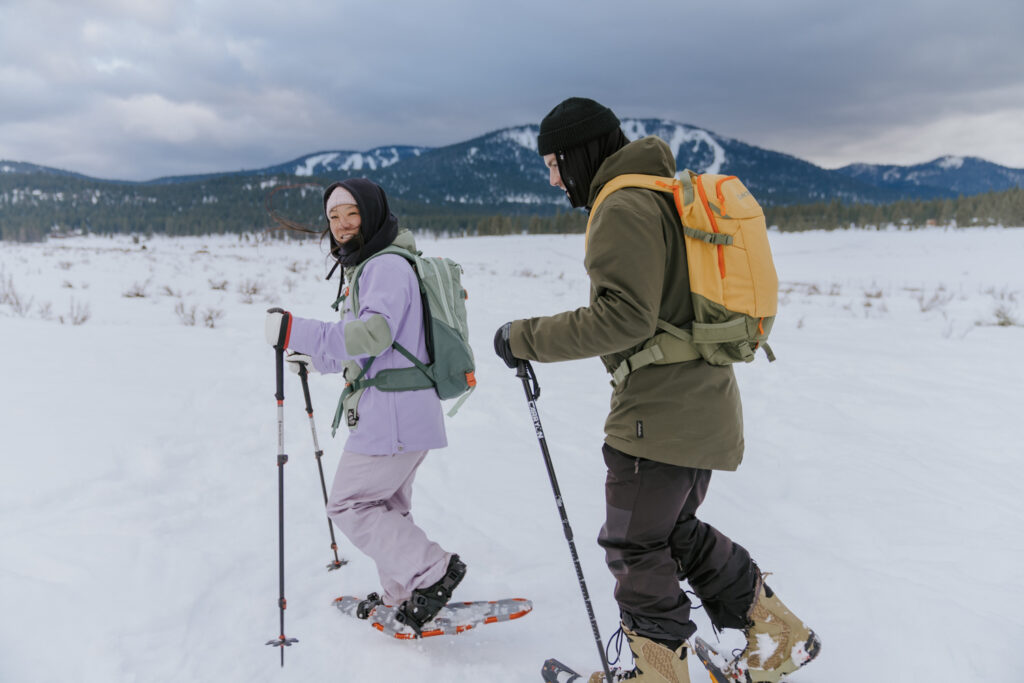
137	89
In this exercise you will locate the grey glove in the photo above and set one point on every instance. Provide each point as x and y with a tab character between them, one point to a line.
297	360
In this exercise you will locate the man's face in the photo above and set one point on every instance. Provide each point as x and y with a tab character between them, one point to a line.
554	175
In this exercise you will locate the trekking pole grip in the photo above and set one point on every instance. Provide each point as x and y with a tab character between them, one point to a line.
304	376
524	371
279	371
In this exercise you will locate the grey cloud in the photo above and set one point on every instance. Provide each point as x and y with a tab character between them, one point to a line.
251	85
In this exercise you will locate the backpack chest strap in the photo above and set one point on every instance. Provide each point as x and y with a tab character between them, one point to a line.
397	379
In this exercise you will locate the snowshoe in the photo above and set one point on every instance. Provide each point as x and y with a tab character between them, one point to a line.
425	603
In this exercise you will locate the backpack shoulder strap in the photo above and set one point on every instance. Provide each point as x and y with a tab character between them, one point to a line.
649	182
398	251
681	190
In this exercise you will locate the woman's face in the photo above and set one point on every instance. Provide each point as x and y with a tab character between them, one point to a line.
344	220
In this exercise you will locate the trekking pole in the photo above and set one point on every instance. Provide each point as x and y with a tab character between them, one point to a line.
281	641
304	375
525	372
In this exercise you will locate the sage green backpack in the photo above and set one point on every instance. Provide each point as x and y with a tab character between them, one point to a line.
450	370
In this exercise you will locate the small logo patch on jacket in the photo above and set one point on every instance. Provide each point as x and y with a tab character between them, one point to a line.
639	429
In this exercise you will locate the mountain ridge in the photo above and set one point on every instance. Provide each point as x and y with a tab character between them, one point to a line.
501	167
495	180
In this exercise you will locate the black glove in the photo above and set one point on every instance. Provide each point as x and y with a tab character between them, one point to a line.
502	347
277	327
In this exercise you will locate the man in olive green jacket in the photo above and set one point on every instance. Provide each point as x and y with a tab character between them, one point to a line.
669	425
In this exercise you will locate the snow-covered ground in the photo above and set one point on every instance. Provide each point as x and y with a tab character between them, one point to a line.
138	496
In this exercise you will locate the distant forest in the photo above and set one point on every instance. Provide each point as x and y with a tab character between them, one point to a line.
62	205
992	208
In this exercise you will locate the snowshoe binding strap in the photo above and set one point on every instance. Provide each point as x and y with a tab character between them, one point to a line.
425	603
366	607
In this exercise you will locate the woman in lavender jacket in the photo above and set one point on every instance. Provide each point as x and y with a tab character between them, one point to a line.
390	432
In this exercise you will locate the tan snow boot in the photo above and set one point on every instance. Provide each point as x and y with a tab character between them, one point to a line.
778	643
652	663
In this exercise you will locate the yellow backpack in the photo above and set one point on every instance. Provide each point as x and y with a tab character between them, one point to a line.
732	276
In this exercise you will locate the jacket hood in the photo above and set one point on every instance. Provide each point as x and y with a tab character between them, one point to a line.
405	240
650	156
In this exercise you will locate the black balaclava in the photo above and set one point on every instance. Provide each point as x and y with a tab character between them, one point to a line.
581	133
378	226
578	165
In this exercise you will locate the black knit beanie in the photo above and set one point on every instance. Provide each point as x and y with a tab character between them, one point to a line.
572	123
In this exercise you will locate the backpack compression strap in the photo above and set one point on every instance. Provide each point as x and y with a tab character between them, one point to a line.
397	379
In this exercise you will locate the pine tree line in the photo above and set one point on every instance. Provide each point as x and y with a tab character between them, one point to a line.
992	208
64	205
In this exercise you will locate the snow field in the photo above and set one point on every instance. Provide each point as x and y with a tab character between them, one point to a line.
138	504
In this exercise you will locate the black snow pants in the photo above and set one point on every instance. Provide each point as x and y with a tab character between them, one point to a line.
653	540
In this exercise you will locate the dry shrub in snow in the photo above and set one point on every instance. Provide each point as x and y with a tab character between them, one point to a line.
9	295
939	299
77	314
211	316
187	315
249	289
136	291
1006	316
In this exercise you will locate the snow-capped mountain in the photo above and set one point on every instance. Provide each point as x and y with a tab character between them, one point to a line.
502	170
325	163
498	173
21	168
343	163
774	178
945	175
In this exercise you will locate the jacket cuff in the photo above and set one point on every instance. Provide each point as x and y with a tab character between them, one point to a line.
517	341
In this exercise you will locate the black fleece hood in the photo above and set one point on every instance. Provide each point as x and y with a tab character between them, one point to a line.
378	226
578	165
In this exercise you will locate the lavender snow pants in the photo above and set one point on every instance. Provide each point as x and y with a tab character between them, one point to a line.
370	502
